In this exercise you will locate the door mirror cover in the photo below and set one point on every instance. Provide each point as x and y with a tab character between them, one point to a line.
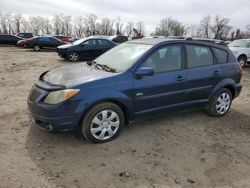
144	71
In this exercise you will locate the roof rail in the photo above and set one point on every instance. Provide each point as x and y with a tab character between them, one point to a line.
215	41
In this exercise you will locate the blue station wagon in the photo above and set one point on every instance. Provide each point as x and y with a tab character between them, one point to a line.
133	80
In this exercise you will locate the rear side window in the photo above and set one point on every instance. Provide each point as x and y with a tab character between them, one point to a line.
199	56
104	43
221	55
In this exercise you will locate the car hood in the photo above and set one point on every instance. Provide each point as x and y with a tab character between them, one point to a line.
66	46
72	75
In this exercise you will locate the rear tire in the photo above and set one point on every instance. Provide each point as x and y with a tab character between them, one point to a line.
221	103
243	61
36	47
102	123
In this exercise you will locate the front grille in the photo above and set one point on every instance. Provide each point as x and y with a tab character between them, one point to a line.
34	95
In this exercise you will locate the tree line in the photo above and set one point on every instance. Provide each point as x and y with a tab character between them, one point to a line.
209	27
79	26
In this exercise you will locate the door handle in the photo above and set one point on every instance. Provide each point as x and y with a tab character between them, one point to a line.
216	73
180	78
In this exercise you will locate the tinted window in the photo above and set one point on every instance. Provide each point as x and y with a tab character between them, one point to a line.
44	39
120	39
53	40
165	59
104	43
198	56
90	43
221	55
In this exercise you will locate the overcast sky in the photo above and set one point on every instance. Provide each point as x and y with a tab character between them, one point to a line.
148	11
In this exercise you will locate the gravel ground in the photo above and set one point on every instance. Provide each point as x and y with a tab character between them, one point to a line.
187	149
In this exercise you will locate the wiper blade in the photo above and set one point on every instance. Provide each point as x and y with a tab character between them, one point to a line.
100	66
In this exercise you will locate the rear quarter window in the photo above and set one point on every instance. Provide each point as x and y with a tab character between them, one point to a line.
221	55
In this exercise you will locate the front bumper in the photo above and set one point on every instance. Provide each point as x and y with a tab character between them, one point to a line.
61	53
61	117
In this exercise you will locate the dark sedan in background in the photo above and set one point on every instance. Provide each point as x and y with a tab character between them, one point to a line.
9	39
41	42
85	49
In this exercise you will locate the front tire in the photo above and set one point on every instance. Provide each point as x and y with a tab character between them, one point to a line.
73	57
243	61
102	123
36	47
221	103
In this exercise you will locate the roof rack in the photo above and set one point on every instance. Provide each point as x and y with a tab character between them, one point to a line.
215	41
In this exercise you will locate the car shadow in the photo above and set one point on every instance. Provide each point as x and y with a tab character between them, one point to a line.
68	160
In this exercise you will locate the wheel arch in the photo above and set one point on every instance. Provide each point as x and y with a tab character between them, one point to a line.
227	83
119	103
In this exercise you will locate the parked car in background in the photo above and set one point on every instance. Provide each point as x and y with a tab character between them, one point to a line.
62	38
118	39
41	42
22	42
133	80
9	39
241	50
73	39
25	35
85	49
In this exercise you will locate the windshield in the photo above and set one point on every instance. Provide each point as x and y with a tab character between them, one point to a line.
79	41
240	43
123	56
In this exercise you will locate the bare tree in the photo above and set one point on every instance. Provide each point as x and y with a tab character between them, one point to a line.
118	26
204	30
90	25
106	27
140	27
17	19
79	26
170	26
129	29
220	29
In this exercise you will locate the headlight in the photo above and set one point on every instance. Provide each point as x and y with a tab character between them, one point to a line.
55	97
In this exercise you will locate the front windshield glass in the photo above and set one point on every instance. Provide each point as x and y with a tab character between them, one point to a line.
123	56
79	41
240	43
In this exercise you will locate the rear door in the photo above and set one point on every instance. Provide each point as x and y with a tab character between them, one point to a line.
203	73
53	42
166	88
103	46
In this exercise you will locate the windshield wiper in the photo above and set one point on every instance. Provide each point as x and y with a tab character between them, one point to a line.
100	66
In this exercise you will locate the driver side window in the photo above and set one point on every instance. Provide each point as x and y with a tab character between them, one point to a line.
165	59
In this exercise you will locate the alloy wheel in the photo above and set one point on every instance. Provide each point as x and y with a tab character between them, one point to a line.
73	57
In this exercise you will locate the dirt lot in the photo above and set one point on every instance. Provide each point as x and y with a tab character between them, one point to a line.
180	150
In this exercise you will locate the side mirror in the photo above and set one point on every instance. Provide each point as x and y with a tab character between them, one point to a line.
144	71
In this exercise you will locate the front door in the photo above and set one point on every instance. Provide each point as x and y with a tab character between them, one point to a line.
166	88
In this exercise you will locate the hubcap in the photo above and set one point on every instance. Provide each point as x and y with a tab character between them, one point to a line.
223	103
105	124
74	57
242	62
37	47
